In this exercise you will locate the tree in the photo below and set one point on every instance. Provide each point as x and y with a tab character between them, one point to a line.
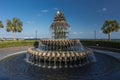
110	26
15	26
1	25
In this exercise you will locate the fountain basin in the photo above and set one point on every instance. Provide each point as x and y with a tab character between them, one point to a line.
15	67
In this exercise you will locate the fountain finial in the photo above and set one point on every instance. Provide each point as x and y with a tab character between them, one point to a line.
58	12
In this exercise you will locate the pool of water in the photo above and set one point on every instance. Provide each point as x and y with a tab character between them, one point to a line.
16	68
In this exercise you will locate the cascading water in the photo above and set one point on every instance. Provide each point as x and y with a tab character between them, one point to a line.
60	51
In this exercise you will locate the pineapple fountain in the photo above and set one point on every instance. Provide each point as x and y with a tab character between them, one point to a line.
59	51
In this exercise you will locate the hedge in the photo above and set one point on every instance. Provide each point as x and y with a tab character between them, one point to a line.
109	44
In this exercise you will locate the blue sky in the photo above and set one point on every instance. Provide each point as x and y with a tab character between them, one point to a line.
84	16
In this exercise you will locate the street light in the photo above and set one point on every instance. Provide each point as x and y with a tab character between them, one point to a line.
36	34
95	34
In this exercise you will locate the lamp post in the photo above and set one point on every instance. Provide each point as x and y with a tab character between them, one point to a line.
36	34
95	34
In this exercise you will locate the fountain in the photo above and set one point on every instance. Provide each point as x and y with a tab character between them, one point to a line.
60	51
55	58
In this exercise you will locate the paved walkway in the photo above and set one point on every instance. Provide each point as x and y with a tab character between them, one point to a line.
8	51
114	54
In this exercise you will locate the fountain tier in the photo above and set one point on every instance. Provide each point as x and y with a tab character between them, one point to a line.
56	59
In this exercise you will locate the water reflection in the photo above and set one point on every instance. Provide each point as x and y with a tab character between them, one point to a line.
16	68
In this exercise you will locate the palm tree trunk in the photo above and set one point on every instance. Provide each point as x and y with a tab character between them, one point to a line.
109	37
14	35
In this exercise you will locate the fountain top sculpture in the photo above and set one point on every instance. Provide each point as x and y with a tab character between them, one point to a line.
58	12
59	16
59	27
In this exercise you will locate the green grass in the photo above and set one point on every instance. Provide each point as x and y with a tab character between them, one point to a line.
7	44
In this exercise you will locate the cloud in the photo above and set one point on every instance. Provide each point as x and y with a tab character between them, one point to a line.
55	8
102	10
76	33
39	15
99	31
44	10
30	22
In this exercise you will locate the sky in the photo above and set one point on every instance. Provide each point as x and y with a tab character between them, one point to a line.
84	17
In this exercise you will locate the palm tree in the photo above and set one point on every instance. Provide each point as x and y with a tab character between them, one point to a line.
110	26
15	26
1	25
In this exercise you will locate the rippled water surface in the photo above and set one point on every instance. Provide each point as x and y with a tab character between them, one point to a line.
16	68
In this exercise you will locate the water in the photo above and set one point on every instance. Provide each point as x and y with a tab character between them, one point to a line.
16	68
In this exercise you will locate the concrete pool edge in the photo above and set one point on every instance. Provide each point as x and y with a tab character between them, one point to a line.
7	51
113	54
8	55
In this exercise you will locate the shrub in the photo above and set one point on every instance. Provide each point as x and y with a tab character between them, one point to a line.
109	44
36	44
